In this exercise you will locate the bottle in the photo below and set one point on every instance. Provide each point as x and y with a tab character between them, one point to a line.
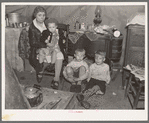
6	21
77	25
82	26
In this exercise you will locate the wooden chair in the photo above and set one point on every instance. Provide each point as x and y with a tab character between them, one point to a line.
63	43
134	90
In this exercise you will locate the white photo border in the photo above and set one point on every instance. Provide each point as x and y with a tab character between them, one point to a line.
74	115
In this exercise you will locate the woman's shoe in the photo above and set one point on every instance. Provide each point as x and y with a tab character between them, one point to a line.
55	84
39	77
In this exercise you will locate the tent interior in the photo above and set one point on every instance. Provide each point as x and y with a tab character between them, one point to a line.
114	15
111	15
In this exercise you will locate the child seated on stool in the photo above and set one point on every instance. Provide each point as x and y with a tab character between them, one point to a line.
99	77
76	71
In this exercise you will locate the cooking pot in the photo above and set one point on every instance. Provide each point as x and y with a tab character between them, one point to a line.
14	18
33	95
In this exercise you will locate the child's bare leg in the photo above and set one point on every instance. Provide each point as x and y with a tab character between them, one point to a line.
40	58
69	72
82	71
53	57
52	61
58	66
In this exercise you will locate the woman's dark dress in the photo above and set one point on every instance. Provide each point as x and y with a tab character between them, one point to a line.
35	44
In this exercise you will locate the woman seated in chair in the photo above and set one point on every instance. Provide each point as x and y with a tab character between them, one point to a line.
35	32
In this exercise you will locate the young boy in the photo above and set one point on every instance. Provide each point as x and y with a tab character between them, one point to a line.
50	37
76	71
99	76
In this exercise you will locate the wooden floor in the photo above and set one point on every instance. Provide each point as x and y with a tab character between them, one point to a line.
113	98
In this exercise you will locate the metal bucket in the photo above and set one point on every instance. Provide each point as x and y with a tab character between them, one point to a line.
13	18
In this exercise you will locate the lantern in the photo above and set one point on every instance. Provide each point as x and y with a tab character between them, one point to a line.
97	20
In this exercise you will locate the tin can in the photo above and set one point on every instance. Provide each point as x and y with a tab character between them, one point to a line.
7	22
24	24
12	25
20	24
17	25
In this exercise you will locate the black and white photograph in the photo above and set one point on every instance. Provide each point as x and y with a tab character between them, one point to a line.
74	61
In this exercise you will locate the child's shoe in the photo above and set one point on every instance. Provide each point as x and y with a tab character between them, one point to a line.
72	88
85	104
54	85
78	89
75	88
80	97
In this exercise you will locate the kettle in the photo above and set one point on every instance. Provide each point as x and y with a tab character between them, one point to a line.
33	95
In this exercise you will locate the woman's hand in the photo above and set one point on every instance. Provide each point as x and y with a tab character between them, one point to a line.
46	41
50	45
76	79
71	80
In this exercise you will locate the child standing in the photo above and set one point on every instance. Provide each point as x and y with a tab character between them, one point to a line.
76	71
51	38
99	77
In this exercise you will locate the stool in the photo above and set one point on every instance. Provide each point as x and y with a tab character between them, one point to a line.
134	89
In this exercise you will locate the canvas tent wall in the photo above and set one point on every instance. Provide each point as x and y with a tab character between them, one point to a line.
111	15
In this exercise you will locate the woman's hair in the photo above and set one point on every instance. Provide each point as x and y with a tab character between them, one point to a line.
51	20
101	52
39	9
